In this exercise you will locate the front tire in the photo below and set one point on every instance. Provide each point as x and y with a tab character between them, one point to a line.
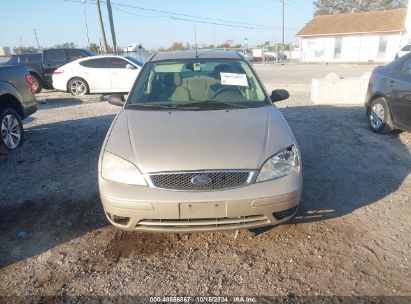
11	130
379	117
78	87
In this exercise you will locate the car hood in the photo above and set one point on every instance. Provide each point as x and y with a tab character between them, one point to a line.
161	141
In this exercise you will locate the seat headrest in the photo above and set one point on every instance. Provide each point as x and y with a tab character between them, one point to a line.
221	68
177	79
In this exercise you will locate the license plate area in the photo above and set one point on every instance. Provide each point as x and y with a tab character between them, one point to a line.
203	210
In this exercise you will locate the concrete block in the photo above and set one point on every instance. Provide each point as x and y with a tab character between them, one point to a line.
334	90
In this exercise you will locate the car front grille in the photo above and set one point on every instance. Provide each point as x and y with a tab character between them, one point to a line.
202	224
187	181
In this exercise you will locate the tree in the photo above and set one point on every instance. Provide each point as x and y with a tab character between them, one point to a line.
25	50
177	46
66	45
328	7
94	48
223	46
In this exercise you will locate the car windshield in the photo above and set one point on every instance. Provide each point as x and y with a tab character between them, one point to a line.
89	53
197	84
135	60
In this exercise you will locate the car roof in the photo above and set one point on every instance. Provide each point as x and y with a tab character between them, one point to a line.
101	56
192	54
53	49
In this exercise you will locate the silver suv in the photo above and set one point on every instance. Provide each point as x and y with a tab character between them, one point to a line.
199	146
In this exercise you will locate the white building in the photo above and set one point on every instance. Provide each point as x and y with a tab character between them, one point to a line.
359	37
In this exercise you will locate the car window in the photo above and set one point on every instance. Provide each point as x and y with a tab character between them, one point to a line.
118	63
98	63
88	52
75	54
22	59
34	58
406	48
13	60
135	60
6	59
199	82
56	55
17	59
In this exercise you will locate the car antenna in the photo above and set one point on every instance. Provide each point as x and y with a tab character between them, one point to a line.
195	40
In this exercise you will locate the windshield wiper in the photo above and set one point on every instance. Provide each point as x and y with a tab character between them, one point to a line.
214	103
165	106
152	105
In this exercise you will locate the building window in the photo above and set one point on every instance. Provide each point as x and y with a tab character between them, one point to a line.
337	48
382	47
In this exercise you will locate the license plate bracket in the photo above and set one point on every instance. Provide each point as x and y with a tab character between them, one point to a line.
203	210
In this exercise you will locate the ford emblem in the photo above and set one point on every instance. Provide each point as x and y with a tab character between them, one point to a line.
201	180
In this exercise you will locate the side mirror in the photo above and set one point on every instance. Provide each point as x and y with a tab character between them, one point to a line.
130	66
278	95
116	100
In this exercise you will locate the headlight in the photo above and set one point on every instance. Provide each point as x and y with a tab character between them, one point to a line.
117	169
281	164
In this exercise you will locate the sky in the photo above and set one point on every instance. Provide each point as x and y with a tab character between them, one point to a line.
153	23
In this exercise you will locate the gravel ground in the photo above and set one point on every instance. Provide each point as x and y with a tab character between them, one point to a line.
351	236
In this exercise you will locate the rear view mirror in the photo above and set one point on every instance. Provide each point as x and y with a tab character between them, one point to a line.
130	66
278	95
116	100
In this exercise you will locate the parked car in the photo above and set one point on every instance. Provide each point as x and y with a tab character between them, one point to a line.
248	56
403	51
41	66
21	59
199	146
16	103
134	47
99	74
388	101
274	55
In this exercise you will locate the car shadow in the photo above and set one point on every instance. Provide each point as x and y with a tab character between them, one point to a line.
345	165
49	191
61	102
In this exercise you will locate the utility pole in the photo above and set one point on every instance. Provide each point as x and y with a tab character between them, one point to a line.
283	1
37	40
113	33
85	21
21	45
102	32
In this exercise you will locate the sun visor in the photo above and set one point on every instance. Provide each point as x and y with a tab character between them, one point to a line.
169	68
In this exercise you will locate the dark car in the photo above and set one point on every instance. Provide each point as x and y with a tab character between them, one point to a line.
16	103
388	101
42	65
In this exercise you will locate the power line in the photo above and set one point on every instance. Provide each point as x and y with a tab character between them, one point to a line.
192	18
189	16
298	9
182	19
196	21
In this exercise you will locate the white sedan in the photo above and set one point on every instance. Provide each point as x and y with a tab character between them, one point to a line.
97	74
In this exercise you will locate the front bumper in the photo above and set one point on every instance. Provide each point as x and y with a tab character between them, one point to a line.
149	209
